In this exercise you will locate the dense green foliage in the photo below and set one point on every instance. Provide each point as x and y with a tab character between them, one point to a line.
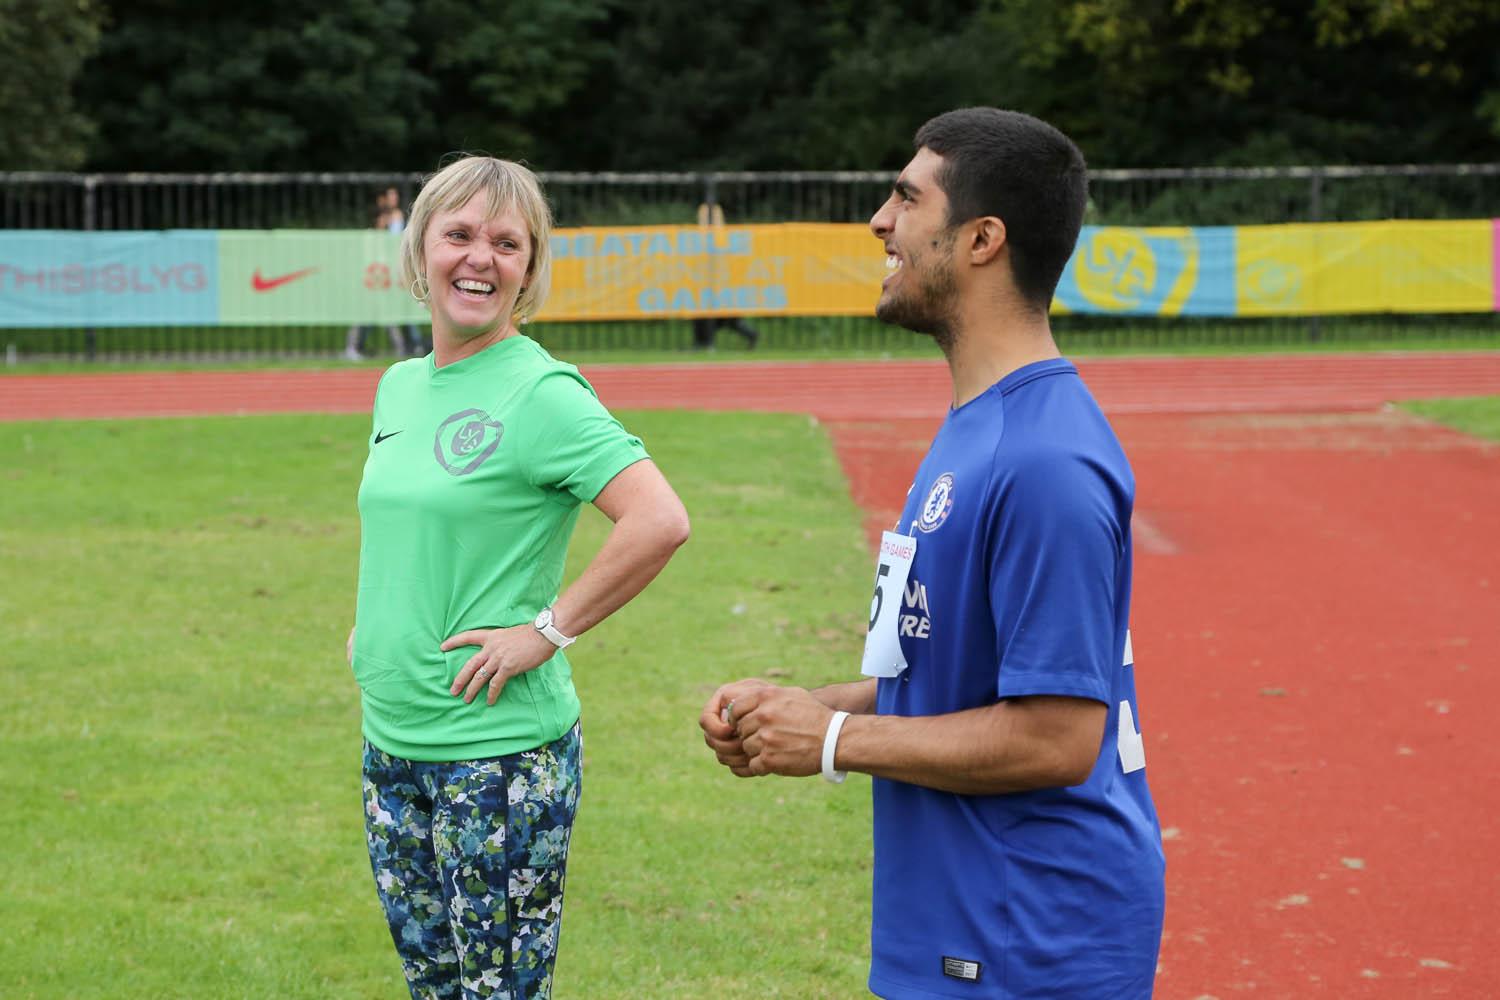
188	86
667	84
43	45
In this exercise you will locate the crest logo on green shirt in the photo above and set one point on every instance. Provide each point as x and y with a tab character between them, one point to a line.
465	440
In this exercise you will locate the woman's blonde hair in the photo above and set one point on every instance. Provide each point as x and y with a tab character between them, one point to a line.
506	185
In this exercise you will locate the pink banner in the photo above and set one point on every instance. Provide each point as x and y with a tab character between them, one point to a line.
1495	263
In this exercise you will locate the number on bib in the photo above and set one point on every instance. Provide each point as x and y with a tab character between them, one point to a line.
878	601
883	656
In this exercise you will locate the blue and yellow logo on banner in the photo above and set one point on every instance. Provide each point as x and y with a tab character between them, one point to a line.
1149	272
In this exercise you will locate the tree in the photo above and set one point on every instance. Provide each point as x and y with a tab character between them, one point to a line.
43	44
504	80
691	87
205	87
905	64
761	84
1240	81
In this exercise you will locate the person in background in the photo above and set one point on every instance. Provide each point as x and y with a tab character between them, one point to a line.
705	328
1017	852
480	457
406	341
395	222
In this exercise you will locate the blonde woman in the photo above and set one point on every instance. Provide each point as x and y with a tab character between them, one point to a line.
480	456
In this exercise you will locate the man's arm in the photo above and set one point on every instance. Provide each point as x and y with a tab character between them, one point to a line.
650	524
1015	745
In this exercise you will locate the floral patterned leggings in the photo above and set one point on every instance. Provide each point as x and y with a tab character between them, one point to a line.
469	860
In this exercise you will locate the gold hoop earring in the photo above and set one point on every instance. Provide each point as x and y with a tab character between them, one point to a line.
422	297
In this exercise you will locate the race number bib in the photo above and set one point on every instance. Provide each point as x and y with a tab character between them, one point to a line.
883	656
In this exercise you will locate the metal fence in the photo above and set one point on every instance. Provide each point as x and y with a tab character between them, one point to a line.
1196	196
1203	196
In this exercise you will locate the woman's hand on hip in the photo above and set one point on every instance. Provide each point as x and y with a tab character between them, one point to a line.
503	653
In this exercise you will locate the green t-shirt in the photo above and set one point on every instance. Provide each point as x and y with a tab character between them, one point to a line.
469	497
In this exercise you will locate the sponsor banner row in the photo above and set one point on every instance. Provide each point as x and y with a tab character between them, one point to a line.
55	278
1287	270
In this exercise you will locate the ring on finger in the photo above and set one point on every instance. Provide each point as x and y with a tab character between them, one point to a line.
729	712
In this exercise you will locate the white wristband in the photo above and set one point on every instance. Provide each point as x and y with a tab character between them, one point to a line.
830	743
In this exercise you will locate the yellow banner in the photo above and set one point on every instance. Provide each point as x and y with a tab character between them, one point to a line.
1357	267
819	269
644	272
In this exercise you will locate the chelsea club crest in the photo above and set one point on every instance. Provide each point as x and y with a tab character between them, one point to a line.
938	503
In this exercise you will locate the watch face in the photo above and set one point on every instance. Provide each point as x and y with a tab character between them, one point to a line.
544	618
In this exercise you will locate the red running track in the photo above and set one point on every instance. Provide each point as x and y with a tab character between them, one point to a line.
828	390
1316	625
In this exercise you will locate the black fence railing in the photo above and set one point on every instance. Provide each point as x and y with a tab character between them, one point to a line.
1202	196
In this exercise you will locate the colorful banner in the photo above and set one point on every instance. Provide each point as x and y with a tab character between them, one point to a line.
229	278
653	272
1495	260
1150	272
308	277
1362	267
51	278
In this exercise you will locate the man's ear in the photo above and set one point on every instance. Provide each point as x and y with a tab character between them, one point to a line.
988	238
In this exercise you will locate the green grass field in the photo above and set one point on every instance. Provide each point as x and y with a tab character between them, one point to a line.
1479	416
181	735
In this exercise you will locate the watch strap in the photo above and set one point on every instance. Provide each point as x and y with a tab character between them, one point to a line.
555	637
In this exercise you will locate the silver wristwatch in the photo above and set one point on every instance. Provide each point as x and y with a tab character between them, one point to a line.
544	625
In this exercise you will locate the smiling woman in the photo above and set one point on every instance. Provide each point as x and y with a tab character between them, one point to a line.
480	457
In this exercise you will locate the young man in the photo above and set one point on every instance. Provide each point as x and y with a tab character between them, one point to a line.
1017	850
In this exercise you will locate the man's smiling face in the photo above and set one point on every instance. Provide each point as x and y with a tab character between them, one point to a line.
919	292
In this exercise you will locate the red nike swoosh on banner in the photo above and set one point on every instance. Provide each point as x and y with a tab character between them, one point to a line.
266	284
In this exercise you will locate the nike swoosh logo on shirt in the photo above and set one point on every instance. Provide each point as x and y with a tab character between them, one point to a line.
381	436
266	284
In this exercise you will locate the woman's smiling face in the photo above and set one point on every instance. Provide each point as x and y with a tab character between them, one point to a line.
476	269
